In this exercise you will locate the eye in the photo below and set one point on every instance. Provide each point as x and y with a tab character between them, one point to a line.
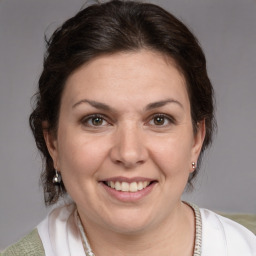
95	121
161	120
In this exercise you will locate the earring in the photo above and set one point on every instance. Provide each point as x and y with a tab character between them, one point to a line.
194	165
57	178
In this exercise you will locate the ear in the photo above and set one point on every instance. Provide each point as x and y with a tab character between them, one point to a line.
51	143
198	141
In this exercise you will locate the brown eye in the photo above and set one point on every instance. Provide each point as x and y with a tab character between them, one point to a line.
97	121
159	120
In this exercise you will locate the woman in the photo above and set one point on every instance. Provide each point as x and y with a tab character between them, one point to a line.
123	115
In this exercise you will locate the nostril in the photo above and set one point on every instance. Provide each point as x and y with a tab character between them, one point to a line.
129	164
118	162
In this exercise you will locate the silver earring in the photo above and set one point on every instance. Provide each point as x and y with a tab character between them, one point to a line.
194	165
57	178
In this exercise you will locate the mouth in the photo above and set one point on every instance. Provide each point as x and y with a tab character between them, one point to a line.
132	187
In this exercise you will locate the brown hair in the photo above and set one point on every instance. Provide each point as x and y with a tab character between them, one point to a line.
109	28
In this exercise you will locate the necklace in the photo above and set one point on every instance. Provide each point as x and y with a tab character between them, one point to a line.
87	248
198	236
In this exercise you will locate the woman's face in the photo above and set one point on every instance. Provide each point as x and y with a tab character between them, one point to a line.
125	141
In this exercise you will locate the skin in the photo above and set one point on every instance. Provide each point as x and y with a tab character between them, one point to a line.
128	141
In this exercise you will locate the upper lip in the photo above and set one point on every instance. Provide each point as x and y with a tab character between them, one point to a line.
128	180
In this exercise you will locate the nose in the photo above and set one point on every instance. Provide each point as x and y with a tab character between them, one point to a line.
129	148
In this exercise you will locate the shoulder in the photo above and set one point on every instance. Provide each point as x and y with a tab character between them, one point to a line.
222	235
30	245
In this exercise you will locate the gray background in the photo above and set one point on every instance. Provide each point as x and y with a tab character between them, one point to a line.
227	32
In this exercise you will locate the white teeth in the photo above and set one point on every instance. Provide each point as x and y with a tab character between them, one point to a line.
112	184
133	187
140	185
118	186
125	186
128	187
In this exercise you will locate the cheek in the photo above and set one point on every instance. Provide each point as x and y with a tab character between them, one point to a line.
80	155
80	160
172	154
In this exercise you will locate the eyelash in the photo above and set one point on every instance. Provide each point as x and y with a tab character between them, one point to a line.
85	121
169	119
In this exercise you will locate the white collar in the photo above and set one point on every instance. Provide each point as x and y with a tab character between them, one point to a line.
59	233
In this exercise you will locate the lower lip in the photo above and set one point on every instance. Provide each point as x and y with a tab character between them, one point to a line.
128	196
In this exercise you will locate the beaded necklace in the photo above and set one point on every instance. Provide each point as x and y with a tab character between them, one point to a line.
198	235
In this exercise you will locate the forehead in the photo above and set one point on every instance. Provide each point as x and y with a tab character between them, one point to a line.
136	75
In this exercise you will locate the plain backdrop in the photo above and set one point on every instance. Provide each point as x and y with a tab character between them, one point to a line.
227	32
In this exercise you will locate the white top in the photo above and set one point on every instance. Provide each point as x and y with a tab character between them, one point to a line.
220	236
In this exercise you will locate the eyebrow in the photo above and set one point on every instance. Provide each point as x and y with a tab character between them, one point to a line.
106	107
94	104
162	103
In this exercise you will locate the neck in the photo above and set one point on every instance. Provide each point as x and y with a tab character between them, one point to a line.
175	235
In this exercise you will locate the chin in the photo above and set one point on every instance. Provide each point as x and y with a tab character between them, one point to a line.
129	223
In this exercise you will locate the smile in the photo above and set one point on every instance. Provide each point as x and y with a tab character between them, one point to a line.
127	187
